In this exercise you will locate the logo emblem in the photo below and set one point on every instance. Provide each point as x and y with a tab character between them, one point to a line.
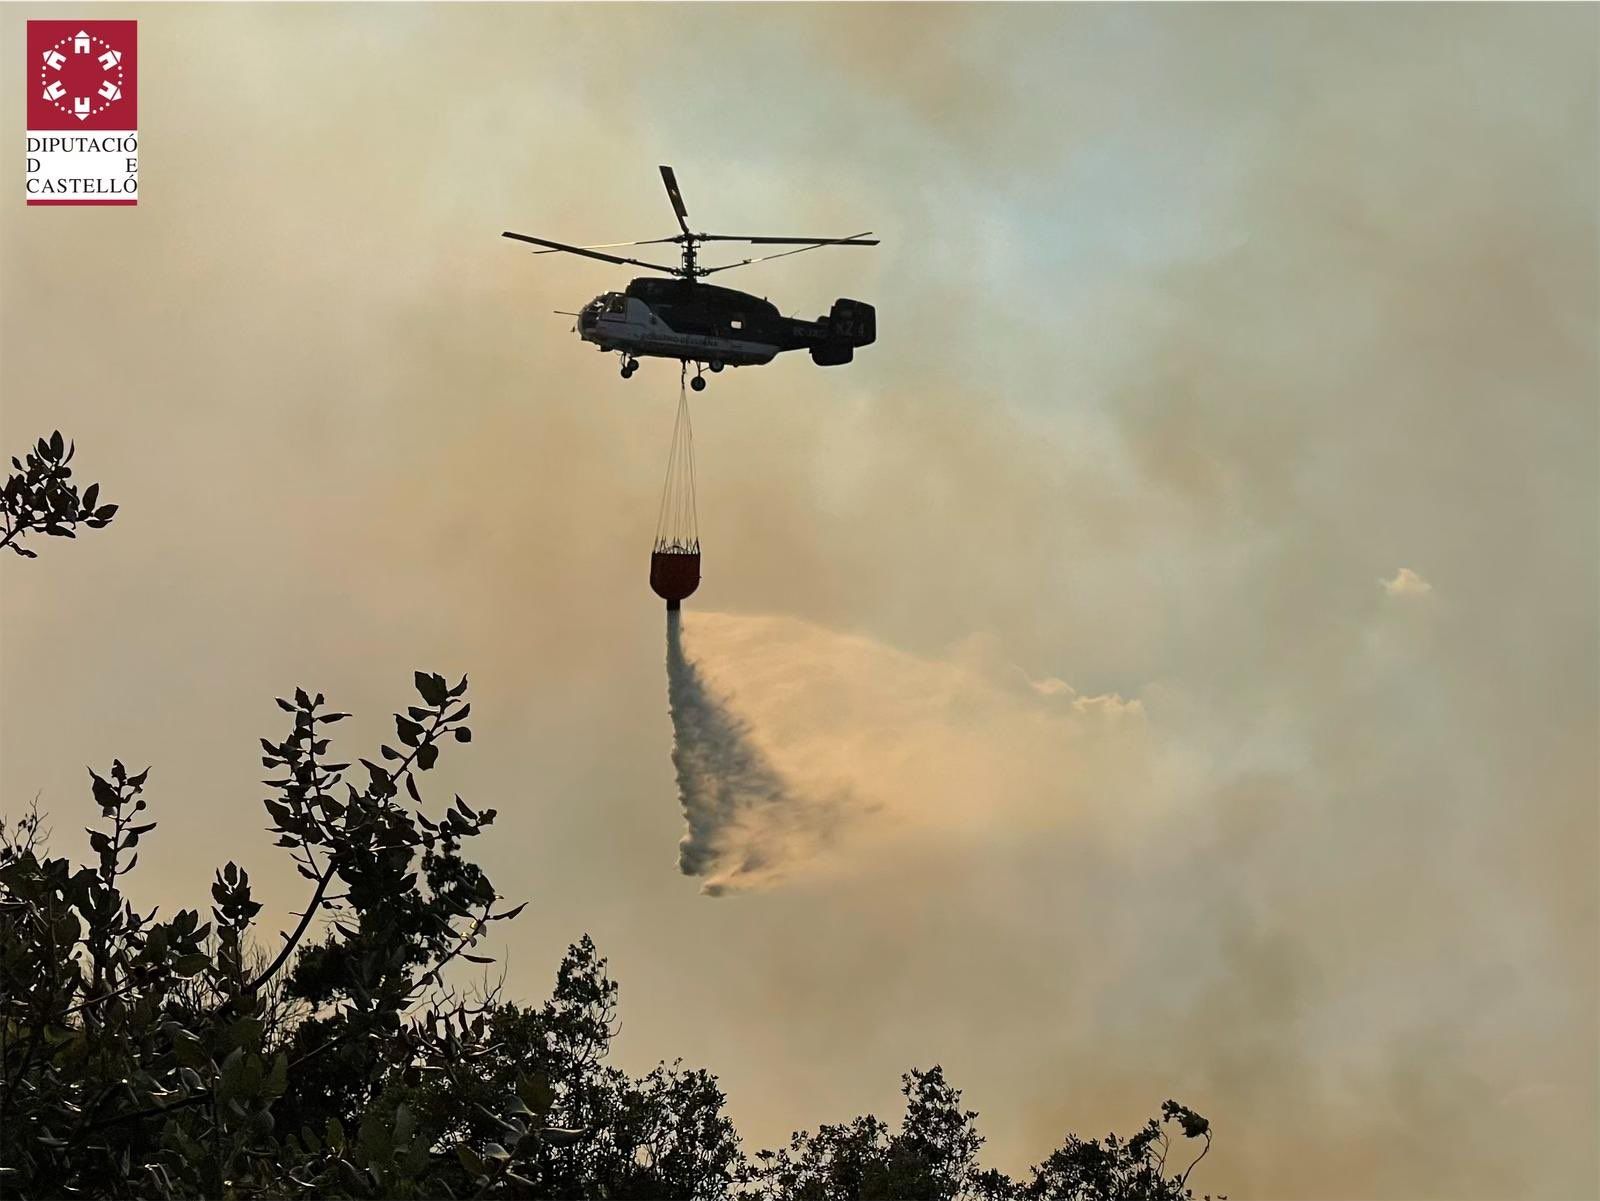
82	75
83	117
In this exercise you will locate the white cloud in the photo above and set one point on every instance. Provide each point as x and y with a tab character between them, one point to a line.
1406	582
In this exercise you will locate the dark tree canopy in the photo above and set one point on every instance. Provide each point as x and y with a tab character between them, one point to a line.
186	1057
934	1157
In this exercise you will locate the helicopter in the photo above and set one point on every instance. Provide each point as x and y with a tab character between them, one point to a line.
701	324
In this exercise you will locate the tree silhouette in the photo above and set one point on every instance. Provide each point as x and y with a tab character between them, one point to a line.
178	1058
171	1058
39	498
934	1157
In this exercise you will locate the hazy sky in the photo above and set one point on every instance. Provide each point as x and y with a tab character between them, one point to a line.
1176	637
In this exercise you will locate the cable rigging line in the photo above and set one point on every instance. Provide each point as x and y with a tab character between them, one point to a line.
678	522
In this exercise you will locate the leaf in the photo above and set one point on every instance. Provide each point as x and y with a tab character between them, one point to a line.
469	1160
559	1137
191	965
430	688
375	1139
231	1075
463	735
405	1124
536	1092
427	755
354	1179
476	958
189	1052
104	794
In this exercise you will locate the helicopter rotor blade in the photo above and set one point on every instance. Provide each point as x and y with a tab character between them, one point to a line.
590	254
860	239
671	180
764	258
613	245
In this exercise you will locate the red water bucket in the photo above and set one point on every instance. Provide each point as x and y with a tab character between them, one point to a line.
674	574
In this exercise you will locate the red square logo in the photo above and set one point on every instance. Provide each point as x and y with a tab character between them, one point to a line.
83	75
83	112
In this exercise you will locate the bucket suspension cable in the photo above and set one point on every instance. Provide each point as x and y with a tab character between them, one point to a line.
678	523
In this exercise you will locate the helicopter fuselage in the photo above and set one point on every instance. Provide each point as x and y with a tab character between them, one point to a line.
681	318
701	323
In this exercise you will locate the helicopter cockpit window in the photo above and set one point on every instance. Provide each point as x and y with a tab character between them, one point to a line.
616	304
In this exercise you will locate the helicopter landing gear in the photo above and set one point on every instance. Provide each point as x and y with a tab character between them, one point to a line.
629	366
715	365
698	383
